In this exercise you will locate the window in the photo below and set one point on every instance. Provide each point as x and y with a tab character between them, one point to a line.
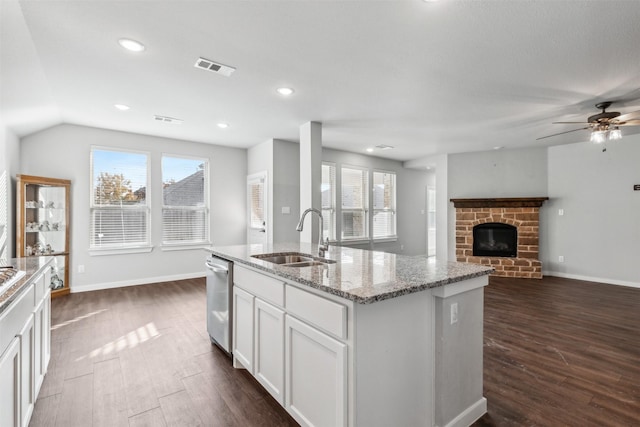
119	200
384	204
355	187
256	203
329	201
185	207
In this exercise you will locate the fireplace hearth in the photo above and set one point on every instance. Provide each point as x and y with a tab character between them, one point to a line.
501	233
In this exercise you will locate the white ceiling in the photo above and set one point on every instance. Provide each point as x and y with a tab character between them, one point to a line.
426	78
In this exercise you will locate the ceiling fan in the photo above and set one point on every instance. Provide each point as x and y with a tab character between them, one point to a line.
605	125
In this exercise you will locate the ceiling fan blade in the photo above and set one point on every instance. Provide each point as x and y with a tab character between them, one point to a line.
635	122
561	133
628	117
569	123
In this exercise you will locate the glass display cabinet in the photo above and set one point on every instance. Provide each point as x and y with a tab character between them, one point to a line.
43	227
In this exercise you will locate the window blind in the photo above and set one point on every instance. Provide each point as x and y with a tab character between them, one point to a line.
354	203
328	189
118	205
256	201
185	208
384	204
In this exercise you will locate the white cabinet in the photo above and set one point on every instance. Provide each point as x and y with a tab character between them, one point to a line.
42	320
316	376
243	307
10	385
27	370
269	348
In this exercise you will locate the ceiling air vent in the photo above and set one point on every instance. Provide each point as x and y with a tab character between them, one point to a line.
165	119
384	147
207	64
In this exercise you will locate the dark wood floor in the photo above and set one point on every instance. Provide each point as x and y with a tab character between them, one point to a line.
557	352
560	352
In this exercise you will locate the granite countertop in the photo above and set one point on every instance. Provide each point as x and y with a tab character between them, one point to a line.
31	266
359	275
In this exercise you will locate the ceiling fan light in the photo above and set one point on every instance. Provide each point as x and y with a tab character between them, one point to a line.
598	136
615	134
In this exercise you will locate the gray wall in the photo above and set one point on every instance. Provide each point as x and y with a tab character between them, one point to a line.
599	233
410	201
497	173
63	152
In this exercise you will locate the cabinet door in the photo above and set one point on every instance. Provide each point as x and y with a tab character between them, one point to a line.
269	348
42	353
10	385
315	376
27	371
243	328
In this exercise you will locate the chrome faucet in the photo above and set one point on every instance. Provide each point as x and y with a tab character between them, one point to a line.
322	247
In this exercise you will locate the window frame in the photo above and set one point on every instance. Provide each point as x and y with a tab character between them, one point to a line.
332	211
112	249
365	205
393	209
186	244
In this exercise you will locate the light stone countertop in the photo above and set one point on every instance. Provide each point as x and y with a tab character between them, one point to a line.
359	275
31	266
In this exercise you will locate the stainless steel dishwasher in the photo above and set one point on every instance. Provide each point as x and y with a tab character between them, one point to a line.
219	301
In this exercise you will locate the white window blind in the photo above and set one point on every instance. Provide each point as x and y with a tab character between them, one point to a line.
329	201
256	204
354	203
384	204
119	204
185	207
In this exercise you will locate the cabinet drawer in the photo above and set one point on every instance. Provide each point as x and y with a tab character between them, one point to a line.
262	286
12	321
323	313
41	287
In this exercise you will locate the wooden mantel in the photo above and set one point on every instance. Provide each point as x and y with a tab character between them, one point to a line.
512	202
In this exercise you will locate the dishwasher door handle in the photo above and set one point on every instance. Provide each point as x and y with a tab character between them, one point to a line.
216	268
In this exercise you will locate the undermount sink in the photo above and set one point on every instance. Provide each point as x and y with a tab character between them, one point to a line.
293	259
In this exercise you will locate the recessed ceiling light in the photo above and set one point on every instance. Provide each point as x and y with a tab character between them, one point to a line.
498	147
369	150
132	45
223	125
285	91
121	107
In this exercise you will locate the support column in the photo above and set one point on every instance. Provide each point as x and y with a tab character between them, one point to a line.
310	177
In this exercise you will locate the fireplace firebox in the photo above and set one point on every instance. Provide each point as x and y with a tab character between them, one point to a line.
495	239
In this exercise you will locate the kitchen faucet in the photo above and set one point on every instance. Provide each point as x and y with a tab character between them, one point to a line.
322	247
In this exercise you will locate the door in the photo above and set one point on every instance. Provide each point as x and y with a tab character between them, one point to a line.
269	348
315	376
257	215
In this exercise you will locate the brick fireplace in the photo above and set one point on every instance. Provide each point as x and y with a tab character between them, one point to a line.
522	213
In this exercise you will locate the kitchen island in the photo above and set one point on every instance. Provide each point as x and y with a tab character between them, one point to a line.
363	339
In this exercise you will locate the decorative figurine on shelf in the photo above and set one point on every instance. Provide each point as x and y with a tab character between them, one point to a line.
55	226
51	205
41	204
56	282
29	250
48	249
44	226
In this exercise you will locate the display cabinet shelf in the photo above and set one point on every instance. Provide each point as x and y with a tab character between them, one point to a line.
43	227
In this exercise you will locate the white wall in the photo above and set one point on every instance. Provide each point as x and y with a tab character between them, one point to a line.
63	152
281	161
410	200
599	233
9	160
496	173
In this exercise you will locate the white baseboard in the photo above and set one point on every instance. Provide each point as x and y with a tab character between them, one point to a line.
469	415
592	279
145	281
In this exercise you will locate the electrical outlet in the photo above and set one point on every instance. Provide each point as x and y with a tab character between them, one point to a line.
454	313
402	247
561	212
81	268
561	258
